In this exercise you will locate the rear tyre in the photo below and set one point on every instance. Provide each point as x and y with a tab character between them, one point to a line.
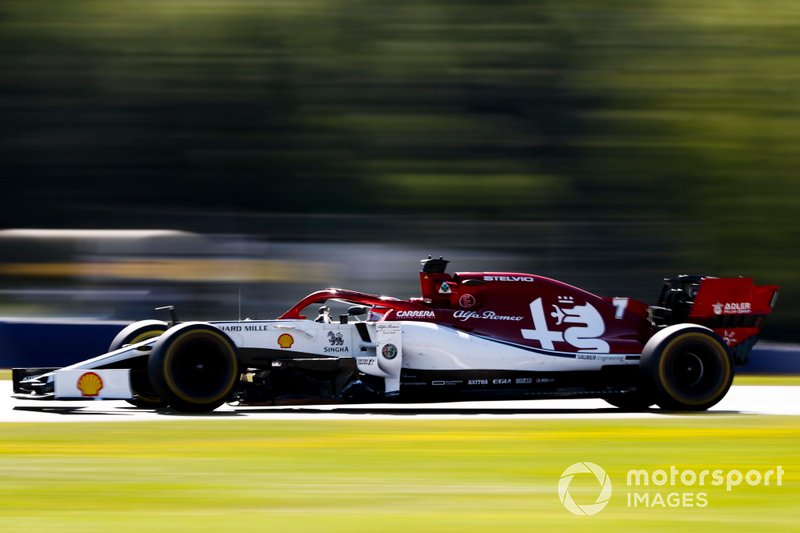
688	367
195	367
144	396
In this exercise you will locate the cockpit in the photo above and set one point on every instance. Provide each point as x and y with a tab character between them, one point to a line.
344	312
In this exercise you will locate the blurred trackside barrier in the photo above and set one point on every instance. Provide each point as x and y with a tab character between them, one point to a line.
53	343
773	358
124	274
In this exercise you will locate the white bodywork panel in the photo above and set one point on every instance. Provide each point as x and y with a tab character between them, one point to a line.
387	359
419	345
304	336
382	349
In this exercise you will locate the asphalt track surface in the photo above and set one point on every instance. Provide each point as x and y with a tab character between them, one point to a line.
741	400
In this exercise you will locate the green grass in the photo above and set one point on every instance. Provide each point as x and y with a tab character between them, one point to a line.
368	475
778	379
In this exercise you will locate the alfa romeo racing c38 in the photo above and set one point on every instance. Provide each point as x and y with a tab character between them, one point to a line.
470	336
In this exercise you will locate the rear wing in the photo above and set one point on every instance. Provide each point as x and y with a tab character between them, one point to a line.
735	308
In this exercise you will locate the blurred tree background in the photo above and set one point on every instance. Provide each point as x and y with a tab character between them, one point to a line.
664	133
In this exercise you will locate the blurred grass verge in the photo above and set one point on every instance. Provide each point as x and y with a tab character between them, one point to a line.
789	379
465	475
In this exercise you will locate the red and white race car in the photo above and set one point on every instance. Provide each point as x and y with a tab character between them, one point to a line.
471	335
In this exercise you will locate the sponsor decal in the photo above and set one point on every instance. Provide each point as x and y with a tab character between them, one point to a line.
254	327
285	341
415	314
90	384
445	289
523	381
729	337
467	300
389	351
584	335
478	382
446	383
734	308
366	361
463	316
526	279
598	357
501	381
336	349
336	341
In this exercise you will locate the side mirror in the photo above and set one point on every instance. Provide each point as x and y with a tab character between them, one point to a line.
357	310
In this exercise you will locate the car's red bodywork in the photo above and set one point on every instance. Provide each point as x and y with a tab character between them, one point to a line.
560	317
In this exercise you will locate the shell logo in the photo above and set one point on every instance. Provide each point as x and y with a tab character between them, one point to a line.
285	341
90	384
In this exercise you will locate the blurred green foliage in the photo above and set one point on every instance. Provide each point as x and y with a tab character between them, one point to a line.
679	114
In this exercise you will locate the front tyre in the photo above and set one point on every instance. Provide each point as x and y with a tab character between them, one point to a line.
688	367
195	367
138	332
144	397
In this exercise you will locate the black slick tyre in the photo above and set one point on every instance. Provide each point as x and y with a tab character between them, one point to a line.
688	367
195	366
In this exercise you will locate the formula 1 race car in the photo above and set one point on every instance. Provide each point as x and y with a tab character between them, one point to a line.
472	335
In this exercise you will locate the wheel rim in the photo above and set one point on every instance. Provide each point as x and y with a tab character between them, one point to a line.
695	372
688	369
200	368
